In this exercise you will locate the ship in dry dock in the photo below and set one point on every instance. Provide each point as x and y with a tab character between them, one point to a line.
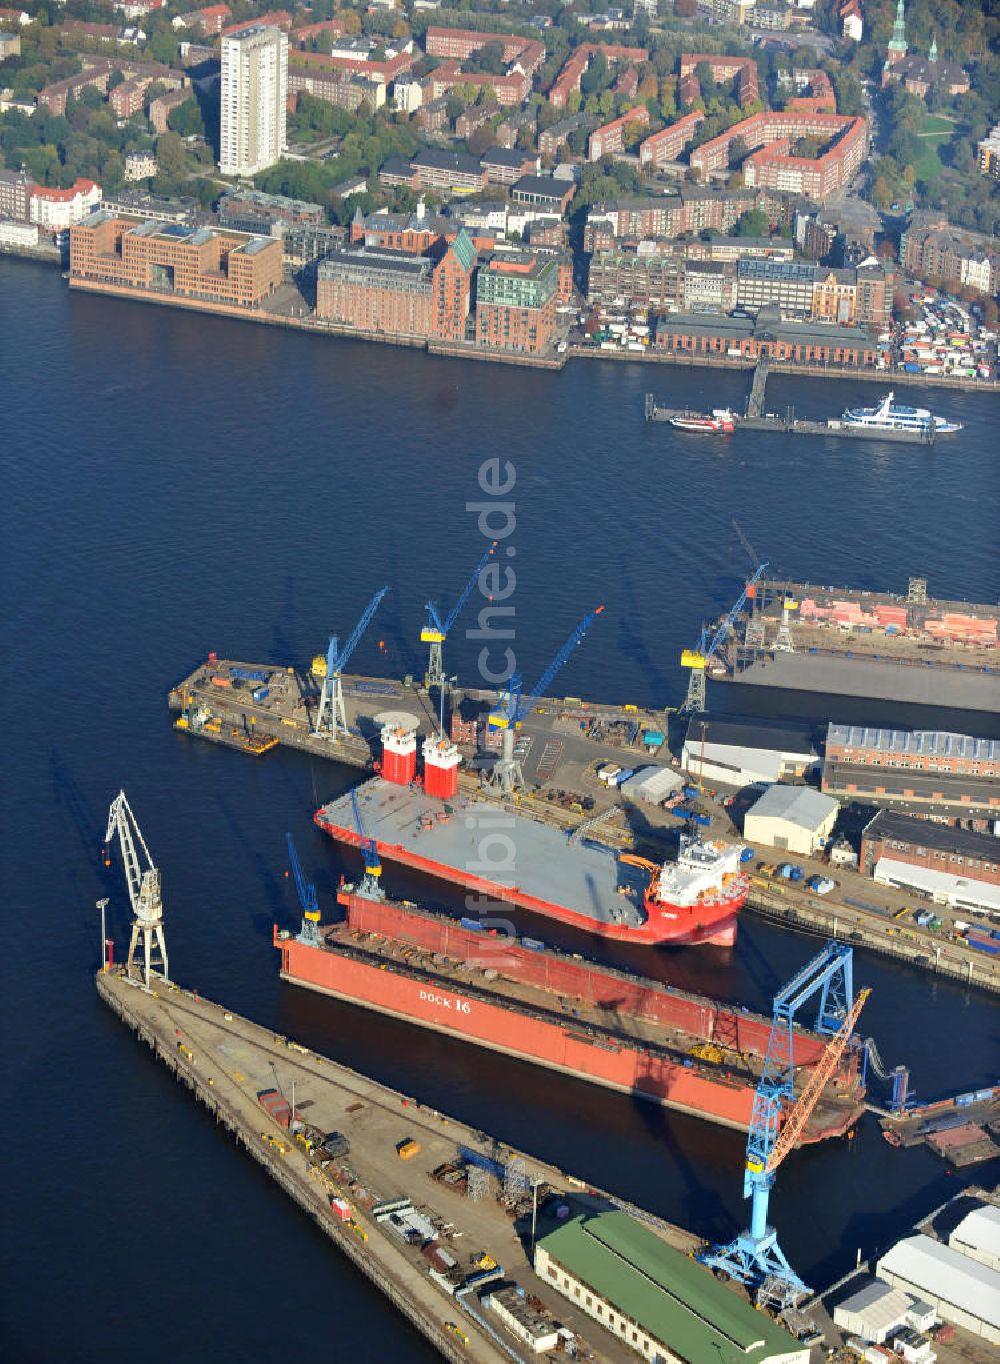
557	1010
692	900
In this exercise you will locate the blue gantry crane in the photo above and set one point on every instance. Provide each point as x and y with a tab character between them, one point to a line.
513	708
780	1116
698	659
331	718
435	632
309	932
371	885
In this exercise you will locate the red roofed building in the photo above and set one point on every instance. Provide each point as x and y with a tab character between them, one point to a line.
570	76
56	209
611	137
209	20
460	43
301	36
724	69
667	145
771	164
275	18
509	90
381	72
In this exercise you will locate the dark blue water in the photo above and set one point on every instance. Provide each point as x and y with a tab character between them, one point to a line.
174	484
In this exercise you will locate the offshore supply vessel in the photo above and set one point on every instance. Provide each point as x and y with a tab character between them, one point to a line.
557	1010
693	900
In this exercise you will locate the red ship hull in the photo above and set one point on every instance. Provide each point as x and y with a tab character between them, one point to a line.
713	923
488	1019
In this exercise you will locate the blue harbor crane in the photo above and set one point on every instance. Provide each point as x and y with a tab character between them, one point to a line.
371	885
698	659
512	709
779	1117
331	718
309	932
435	632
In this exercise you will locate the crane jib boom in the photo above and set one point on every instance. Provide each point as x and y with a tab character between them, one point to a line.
560	659
444	626
336	661
810	1096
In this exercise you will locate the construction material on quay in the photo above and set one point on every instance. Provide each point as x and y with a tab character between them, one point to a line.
555	1009
432	1211
851	642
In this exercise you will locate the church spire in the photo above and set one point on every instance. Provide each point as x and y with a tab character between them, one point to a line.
897	43
933	54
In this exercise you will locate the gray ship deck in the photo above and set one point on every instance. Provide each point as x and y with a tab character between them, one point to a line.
506	849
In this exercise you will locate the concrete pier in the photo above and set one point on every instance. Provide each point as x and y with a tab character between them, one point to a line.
226	1060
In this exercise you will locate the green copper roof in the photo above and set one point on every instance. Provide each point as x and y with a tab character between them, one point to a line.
673	1299
898	41
464	250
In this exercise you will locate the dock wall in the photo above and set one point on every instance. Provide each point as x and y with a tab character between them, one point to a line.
922	684
831	923
305	1195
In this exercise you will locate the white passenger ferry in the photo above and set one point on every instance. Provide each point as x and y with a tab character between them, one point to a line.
890	416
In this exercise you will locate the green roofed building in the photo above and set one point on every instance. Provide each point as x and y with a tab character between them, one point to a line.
663	1304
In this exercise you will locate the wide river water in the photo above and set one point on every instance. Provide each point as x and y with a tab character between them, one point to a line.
174	484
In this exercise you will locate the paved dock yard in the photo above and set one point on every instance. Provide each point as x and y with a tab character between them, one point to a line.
560	763
226	1060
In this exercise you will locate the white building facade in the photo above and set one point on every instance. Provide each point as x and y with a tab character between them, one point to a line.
254	95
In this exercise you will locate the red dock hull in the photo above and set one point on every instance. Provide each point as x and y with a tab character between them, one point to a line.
703	924
616	1061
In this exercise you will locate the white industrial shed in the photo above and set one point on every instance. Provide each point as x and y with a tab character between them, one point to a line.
944	887
873	1312
652	784
795	818
978	1235
959	1289
738	753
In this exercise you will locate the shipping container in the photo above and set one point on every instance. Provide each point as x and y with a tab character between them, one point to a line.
249	674
261	693
221	682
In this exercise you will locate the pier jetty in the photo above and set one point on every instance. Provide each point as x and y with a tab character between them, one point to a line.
400	1174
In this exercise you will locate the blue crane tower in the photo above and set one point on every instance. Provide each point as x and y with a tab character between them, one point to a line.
309	932
779	1117
371	885
331	718
698	659
435	632
506	777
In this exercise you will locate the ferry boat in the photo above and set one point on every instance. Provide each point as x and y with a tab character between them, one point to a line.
890	416
720	421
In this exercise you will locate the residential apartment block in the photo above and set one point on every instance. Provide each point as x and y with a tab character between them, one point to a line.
254	99
772	164
666	145
516	299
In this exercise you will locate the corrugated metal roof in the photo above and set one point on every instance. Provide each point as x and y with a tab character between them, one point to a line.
921	742
751	734
945	1274
963	889
980	1229
881	1305
798	805
668	1295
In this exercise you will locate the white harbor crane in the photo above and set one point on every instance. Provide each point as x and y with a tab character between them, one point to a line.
143	890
